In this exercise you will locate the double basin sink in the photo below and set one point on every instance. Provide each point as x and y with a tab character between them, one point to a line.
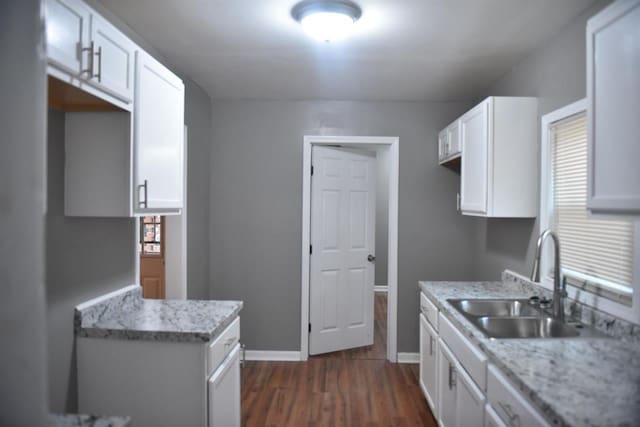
518	318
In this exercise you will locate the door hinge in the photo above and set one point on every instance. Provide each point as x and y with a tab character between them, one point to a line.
310	249
309	327
311	170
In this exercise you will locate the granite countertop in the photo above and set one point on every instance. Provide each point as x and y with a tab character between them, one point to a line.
124	314
574	381
78	420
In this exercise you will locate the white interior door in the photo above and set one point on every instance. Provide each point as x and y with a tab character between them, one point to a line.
342	238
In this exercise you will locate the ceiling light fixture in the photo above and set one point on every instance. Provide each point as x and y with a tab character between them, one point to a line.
326	20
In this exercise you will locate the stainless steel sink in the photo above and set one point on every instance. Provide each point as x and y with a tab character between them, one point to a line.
526	327
495	307
517	318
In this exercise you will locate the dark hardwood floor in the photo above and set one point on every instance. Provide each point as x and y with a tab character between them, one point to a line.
349	388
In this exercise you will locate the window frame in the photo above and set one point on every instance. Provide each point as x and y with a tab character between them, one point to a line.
626	312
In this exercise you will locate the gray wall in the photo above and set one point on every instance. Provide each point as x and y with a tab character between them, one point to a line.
256	202
85	257
197	117
23	377
556	73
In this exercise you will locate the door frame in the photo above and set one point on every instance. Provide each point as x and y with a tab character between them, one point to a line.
392	143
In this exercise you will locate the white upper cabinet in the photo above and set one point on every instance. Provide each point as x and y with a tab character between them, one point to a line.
499	170
474	176
613	92
86	51
113	59
449	143
124	155
158	135
68	36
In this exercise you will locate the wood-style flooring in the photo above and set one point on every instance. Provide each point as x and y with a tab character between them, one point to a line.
349	388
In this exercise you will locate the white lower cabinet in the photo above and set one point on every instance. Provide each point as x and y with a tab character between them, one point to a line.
429	363
446	386
469	401
460	385
461	402
509	404
491	418
224	392
162	383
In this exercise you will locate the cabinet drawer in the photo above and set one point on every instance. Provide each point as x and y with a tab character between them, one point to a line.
430	310
469	356
509	404
222	346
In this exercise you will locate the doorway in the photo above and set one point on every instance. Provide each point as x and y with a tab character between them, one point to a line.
152	257
323	282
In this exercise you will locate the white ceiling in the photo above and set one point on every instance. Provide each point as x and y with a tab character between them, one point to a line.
435	50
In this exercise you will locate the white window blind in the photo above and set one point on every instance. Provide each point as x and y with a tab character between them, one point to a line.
597	254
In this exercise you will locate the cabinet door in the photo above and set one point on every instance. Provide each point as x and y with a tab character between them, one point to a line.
67	24
446	386
474	127
159	136
613	86
453	137
442	145
428	363
224	393
469	401
113	59
491	418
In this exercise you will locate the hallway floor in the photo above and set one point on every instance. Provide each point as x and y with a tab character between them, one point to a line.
346	388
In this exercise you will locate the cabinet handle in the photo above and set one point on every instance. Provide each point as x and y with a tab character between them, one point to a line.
423	308
514	418
91	50
228	342
99	55
452	380
143	203
430	345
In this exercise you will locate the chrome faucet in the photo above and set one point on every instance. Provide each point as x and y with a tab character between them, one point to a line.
559	287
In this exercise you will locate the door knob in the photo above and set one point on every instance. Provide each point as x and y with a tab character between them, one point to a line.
371	258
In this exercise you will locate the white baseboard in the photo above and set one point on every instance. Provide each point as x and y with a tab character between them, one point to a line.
268	355
381	288
408	357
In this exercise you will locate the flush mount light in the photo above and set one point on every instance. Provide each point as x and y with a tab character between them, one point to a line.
326	20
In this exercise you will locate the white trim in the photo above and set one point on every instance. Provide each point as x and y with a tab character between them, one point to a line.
275	356
631	314
392	271
381	288
409	358
175	266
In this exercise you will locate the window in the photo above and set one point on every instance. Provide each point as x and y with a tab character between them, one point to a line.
151	235
598	254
